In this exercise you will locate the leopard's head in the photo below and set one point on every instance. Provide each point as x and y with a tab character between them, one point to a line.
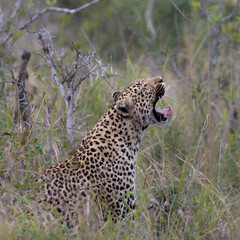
138	102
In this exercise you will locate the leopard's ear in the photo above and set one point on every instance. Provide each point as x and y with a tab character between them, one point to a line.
124	106
116	95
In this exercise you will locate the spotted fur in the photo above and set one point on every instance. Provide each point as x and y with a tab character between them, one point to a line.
103	170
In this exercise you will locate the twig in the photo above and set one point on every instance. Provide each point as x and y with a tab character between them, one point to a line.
174	65
75	47
224	19
50	64
174	4
85	66
175	68
50	9
59	10
108	83
15	82
25	171
82	78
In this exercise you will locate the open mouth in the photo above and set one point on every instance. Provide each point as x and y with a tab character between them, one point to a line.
162	115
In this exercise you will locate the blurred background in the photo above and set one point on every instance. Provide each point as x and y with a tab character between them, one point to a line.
188	171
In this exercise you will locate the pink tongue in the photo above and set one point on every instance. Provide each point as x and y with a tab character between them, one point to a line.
165	112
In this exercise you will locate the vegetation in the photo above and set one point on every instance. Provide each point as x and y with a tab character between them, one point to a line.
189	172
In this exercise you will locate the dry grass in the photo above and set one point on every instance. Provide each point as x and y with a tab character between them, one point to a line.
188	173
180	193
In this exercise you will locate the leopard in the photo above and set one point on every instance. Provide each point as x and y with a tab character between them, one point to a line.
103	169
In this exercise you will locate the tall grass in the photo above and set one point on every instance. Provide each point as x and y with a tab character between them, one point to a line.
187	173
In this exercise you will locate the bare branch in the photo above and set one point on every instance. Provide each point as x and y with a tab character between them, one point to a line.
175	68
85	66
75	47
88	74
46	10
232	13
59	10
23	102
51	65
179	10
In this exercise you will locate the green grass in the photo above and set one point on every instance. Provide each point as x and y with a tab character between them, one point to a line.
190	198
188	172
